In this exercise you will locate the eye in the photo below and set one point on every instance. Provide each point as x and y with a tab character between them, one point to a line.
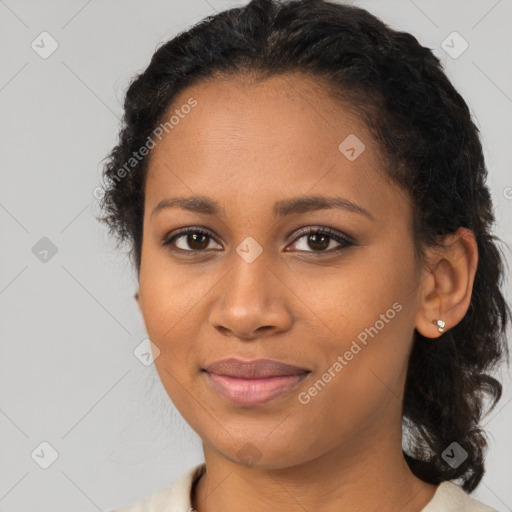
196	239
320	239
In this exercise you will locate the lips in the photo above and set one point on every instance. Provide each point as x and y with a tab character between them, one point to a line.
257	369
252	383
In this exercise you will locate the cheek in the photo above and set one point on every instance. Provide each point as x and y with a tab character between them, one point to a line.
169	296
364	370
364	313
172	327
342	301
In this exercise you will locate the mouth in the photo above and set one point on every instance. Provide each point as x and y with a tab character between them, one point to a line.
251	383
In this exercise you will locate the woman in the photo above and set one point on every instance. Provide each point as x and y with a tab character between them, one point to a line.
304	194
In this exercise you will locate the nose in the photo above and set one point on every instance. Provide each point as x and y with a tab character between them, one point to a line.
251	302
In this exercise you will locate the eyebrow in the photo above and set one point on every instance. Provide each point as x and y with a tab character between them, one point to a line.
292	206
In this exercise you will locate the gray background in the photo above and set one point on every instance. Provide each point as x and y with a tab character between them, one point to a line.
68	375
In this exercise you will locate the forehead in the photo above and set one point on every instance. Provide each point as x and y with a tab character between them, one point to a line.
276	113
264	138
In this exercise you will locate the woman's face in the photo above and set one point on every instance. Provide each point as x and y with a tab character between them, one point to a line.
258	286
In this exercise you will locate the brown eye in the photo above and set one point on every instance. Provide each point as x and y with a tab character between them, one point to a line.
197	241
317	241
190	240
320	239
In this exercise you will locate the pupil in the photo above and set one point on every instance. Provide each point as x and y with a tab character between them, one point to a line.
325	240
193	239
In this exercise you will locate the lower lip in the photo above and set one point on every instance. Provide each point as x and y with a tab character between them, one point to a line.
250	392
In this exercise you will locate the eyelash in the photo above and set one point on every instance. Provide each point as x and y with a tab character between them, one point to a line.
330	233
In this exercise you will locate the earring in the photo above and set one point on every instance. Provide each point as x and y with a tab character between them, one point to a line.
440	325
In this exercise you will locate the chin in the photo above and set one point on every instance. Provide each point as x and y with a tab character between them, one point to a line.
262	454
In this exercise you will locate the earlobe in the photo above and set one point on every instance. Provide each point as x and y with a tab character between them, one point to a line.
447	288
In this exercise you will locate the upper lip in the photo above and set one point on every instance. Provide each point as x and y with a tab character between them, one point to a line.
257	368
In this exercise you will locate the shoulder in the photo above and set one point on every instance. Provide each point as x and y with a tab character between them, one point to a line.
450	497
172	498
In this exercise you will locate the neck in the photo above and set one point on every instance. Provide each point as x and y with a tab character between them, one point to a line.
356	475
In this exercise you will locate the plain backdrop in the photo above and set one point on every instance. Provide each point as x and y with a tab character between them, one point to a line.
69	324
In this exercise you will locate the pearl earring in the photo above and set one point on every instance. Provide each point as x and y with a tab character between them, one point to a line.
440	325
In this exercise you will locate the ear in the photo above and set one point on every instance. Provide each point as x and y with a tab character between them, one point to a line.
447	282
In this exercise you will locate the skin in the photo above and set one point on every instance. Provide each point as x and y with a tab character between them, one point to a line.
248	144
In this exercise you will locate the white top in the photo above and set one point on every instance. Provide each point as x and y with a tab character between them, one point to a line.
449	497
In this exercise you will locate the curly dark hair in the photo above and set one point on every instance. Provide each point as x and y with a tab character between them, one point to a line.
430	147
